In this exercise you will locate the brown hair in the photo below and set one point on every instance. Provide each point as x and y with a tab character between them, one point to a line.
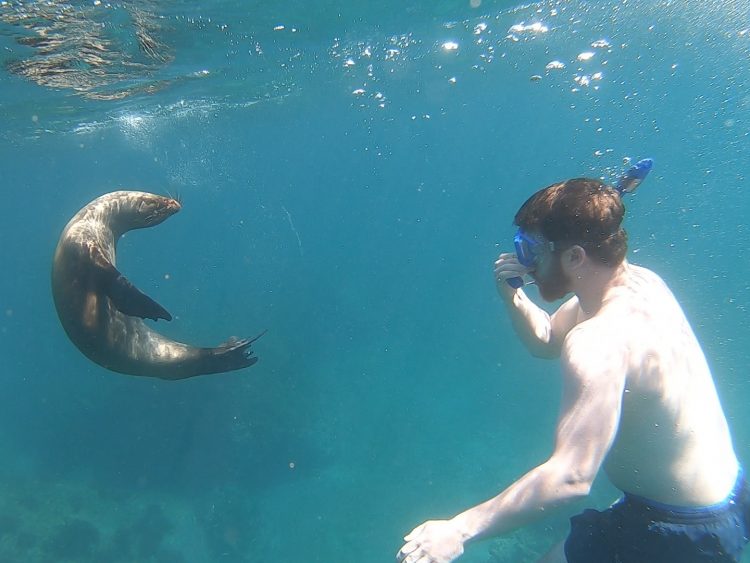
581	211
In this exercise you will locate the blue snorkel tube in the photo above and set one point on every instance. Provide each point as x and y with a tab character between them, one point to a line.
633	176
627	184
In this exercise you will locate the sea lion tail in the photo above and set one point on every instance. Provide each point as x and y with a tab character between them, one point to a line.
231	355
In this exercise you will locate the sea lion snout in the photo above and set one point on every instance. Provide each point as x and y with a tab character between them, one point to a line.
173	204
147	210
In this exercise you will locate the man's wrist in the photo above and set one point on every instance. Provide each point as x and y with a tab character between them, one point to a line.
462	525
506	291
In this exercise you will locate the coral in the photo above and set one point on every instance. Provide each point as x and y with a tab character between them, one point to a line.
25	541
8	525
76	539
72	522
226	523
141	540
169	556
149	531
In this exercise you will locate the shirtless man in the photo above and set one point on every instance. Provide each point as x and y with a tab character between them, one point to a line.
638	400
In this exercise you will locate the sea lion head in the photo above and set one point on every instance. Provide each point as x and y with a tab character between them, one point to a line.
138	210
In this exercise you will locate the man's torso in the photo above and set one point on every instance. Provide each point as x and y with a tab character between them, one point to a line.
673	444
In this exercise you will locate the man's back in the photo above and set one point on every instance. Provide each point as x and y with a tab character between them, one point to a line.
673	444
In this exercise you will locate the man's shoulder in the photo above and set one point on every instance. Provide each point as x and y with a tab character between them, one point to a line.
609	332
591	354
644	274
639	296
597	335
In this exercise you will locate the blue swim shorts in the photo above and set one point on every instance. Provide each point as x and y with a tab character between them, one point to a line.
638	530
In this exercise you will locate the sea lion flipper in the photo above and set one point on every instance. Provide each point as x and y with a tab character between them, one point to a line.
126	298
130	300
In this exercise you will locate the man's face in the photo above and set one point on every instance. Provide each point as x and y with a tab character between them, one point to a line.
552	282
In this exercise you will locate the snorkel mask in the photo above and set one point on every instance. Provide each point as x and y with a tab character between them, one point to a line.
528	248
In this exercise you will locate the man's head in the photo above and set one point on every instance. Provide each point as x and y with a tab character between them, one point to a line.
582	216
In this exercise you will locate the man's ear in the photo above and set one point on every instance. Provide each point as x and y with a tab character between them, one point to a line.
575	256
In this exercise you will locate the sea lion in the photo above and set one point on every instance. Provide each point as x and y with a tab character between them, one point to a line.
101	310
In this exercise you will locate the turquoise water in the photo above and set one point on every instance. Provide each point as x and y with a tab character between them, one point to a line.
349	173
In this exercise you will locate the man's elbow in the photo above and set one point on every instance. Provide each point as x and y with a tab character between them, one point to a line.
577	487
544	351
571	485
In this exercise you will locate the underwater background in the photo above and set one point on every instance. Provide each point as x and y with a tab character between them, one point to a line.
349	171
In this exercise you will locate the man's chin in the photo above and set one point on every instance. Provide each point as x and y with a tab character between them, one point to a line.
551	294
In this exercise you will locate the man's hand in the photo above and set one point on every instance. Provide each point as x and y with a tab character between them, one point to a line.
507	266
435	541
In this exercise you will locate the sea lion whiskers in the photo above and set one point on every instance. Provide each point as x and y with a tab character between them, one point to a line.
175	197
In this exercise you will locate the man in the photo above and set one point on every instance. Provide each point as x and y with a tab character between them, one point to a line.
638	400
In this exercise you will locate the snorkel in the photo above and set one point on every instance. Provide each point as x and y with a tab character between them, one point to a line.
526	244
633	176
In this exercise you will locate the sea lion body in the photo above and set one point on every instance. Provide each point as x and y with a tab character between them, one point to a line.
102	312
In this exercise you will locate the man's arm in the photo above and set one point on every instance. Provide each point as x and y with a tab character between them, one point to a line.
594	379
541	334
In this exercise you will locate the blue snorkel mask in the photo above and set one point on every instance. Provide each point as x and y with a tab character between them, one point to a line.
528	248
